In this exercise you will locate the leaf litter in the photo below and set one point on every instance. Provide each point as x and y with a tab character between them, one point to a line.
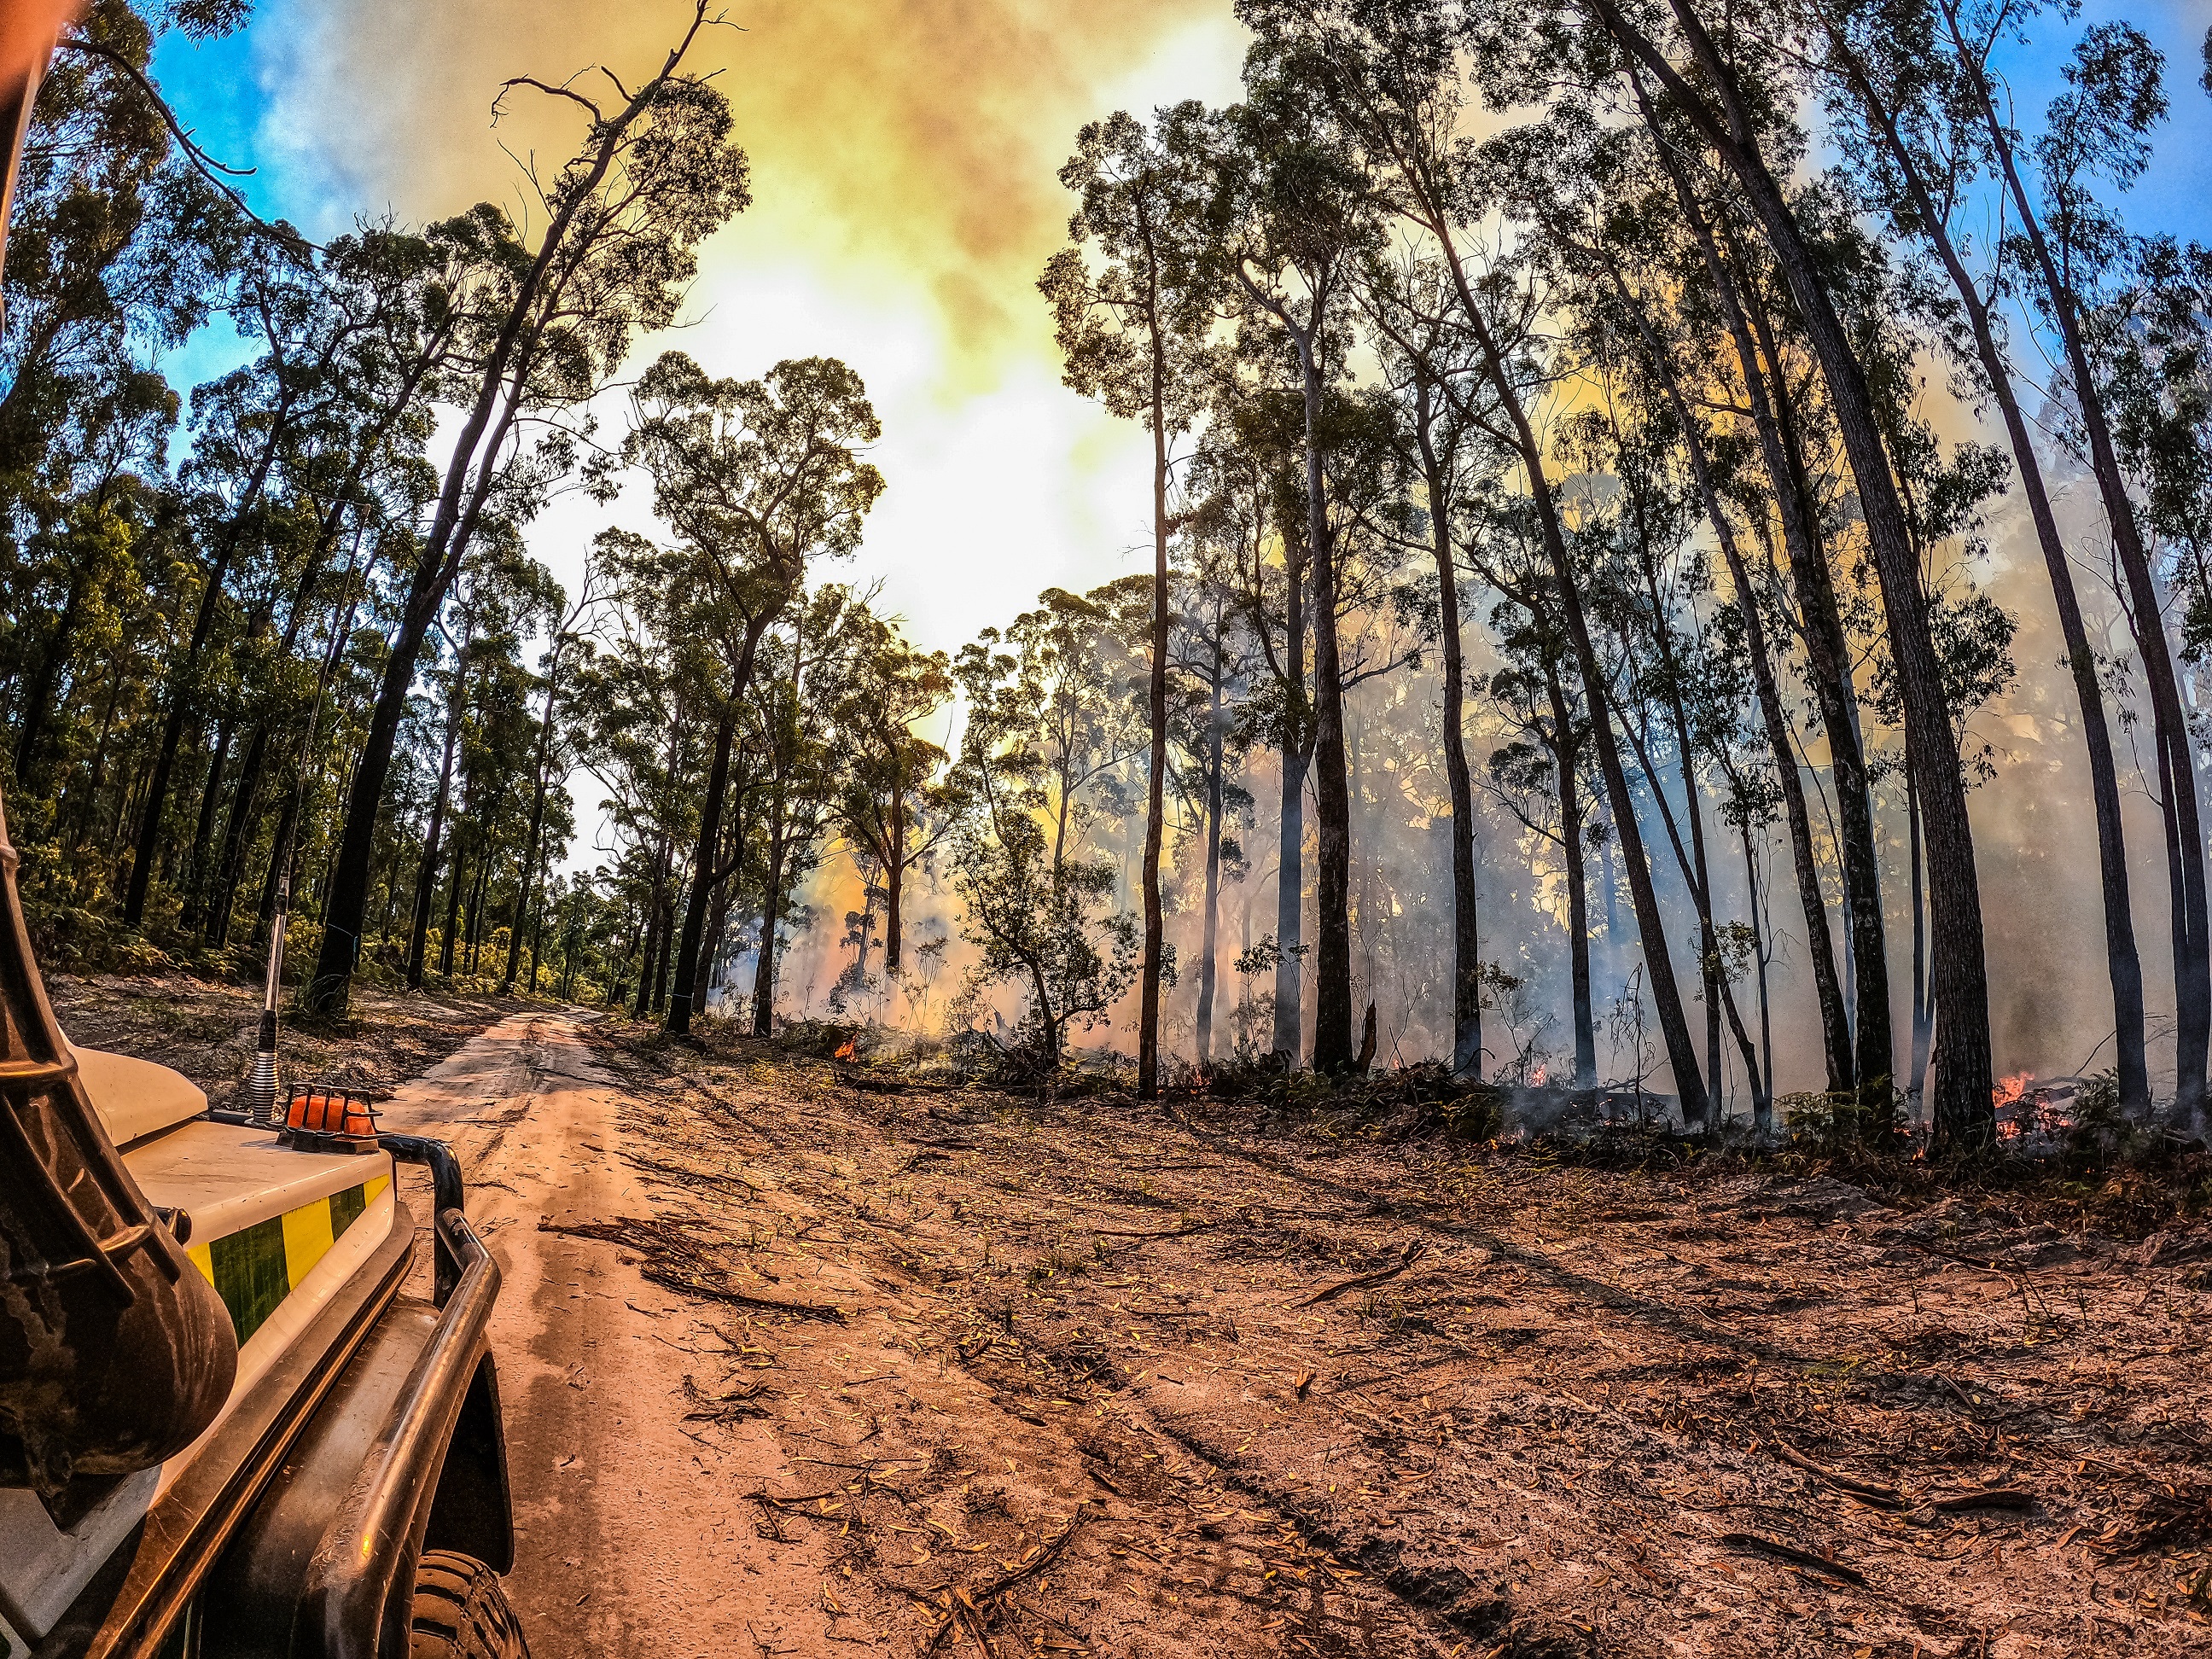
1146	1383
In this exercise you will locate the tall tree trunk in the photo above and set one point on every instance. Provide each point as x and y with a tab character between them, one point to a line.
1828	653
1332	1036
1922	1025
1566	759
1148	998
454	884
272	878
1666	995
2192	972
1208	965
1964	1113
710	823
703	984
661	959
1866	1040
426	879
654	906
230	860
180	696
1467	933
2123	962
1290	906
526	888
196	870
1835	1026
894	883
476	898
771	908
1762	1091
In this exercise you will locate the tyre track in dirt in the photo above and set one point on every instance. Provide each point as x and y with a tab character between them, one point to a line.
627	1538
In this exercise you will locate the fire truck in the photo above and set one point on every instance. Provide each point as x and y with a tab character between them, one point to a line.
236	1419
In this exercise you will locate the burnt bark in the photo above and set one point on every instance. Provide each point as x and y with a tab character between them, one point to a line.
1962	1109
2123	962
680	1008
1466	931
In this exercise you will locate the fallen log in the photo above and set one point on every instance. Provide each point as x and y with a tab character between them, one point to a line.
646	1237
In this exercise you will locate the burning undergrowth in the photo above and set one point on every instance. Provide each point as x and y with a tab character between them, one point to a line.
2067	1155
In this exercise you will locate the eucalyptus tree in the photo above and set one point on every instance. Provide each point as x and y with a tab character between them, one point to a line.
655	171
1132	302
1538	772
1032	902
1047	682
808	661
1212	650
1895	78
435	851
1247	479
1389	73
1602	217
2067	247
1725	288
1293	214
358	473
570	641
895	809
654	684
1944	497
1729	103
246	422
1646	580
1431	367
758	479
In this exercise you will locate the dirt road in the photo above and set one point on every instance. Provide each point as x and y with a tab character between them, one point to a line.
632	1539
801	1360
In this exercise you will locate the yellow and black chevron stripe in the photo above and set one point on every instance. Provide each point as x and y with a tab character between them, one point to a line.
254	1269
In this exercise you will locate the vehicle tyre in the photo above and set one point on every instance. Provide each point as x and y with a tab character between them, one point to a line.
461	1611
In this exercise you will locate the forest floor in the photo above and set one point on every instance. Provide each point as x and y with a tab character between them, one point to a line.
1089	1376
805	1358
206	1028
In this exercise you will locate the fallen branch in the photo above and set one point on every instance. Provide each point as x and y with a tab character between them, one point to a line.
699	1287
2011	1270
1361	1281
1174	1233
1796	1557
653	1238
1994	1497
960	1602
1888	1496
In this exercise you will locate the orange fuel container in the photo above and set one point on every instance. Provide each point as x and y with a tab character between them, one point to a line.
330	1115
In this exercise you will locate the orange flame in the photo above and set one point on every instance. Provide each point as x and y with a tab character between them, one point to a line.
1537	1081
851	1046
2009	1091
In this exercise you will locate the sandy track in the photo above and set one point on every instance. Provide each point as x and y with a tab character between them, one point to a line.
631	1539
